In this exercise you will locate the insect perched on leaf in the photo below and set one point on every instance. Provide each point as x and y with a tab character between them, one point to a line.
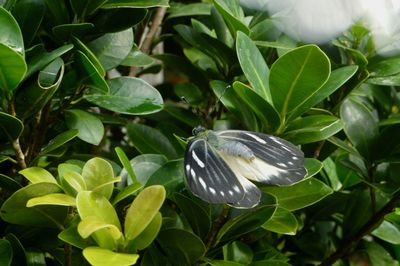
219	164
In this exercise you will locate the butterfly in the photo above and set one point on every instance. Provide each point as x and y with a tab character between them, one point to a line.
220	164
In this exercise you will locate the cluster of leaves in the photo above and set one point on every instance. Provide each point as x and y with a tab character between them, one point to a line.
68	94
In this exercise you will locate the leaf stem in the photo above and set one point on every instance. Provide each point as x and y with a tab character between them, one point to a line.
351	242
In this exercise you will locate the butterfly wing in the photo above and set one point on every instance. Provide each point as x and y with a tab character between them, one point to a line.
276	161
208	175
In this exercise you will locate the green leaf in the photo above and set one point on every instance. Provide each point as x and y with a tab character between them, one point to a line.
59	141
126	192
147	236
313	166
12	68
312	128
10	127
126	164
9	184
89	73
261	107
188	10
112	48
128	95
238	252
379	255
245	223
232	12
98	175
85	8
104	257
71	236
225	263
388	232
282	222
299	195
385	67
92	205
360	125
231	101
149	140
91	129
143	210
253	65
90	225
336	80
190	92
296	75
52	199
6	252
137	58
170	175
11	34
38	175
65	32
145	165
117	19
385	81
75	180
90	55
198	218
182	247
14	209
135	4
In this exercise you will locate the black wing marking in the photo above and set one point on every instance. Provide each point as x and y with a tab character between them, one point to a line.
208	175
252	194
277	161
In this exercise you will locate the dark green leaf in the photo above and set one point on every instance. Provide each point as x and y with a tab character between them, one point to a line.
149	140
8	183
137	58
134	4
232	13
117	19
12	68
238	252
188	10
65	32
91	130
84	8
11	33
59	141
10	127
170	175
282	222
6	252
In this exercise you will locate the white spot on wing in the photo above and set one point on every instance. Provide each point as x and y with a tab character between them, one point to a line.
193	173
212	190
203	184
236	188
295	158
258	139
187	167
281	164
222	193
230	192
197	159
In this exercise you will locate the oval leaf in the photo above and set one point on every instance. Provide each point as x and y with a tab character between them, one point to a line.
104	257
38	175
52	199
90	128
97	173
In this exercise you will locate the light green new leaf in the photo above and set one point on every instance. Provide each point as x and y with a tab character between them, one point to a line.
296	75
98	174
282	222
75	180
59	199
104	257
253	65
299	195
91	129
147	236
143	210
93	224
38	175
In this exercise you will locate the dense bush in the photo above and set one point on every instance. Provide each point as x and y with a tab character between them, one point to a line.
91	155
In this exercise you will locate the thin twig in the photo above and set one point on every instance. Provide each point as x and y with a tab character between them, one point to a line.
351	242
219	222
19	154
150	35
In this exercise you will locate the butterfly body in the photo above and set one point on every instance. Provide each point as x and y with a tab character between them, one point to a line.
219	165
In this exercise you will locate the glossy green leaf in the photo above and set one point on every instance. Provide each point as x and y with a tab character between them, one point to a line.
150	140
75	180
98	173
35	257
313	166
147	236
71	236
112	48
14	209
130	96
378	255
360	125
143	210
312	128
10	127
94	205
188	10
38	175
385	67
388	232
9	184
126	164
170	175
189	92
12	68
198	218
254	66
135	4
78	44
232	13
282	222
145	165
65	32
6	252
299	195
93	224
238	252
59	141
52	199
85	8
38	60
261	107
11	33
91	129
231	101
296	75
104	257
89	73
183	247
137	58
117	19
245	223
127	192
385	81
336	80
